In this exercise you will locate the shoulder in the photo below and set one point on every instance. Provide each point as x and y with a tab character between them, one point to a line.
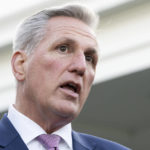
102	143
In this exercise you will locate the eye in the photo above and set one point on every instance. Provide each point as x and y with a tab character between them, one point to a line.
89	58
63	48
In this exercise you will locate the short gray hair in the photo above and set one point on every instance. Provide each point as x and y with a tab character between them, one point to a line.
32	30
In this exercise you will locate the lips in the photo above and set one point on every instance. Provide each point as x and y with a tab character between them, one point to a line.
72	86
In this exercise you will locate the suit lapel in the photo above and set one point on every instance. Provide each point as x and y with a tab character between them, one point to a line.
80	143
10	139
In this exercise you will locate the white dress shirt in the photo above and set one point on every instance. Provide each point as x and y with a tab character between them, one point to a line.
29	130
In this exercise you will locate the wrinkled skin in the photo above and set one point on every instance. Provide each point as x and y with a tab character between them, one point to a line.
68	53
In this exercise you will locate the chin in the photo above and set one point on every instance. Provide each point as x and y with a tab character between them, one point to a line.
68	113
66	109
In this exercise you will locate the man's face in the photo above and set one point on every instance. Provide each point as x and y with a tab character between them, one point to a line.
60	72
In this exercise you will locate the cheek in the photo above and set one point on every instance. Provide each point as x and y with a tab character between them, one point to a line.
53	70
90	78
52	64
87	85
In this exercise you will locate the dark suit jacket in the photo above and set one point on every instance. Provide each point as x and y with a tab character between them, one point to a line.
11	140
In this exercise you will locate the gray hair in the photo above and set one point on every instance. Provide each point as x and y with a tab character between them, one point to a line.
32	30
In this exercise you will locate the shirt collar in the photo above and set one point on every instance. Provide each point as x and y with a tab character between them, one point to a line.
26	126
66	134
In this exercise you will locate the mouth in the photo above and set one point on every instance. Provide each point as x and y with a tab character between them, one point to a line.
72	86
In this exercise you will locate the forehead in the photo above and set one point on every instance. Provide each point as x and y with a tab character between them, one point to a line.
63	25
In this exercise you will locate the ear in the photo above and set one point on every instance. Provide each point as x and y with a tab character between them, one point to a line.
18	65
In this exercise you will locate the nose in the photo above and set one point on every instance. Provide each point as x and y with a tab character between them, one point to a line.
78	65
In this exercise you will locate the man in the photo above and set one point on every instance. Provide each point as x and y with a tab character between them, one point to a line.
54	63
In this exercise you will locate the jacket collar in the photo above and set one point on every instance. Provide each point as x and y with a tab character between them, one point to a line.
80	142
9	136
10	139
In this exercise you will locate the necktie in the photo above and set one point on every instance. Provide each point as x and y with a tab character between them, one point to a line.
49	141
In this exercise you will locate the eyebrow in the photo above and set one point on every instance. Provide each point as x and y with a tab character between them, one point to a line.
92	51
66	40
71	41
